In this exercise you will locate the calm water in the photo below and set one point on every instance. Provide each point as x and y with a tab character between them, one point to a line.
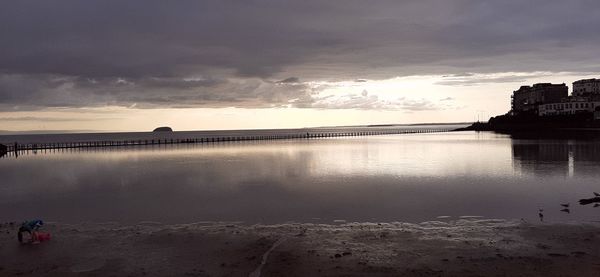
410	178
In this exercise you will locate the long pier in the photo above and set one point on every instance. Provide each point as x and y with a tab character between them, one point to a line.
16	148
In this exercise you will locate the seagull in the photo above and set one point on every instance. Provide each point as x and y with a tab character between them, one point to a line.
566	211
565	205
596	194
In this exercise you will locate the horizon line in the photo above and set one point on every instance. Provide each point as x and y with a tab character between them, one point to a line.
57	132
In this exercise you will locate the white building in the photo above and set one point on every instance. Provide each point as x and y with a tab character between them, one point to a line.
573	106
584	99
586	87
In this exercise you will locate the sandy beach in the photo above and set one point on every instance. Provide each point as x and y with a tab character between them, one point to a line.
464	247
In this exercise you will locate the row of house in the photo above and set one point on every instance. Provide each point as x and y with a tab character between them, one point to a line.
547	99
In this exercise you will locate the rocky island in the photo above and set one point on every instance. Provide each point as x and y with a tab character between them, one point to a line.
163	129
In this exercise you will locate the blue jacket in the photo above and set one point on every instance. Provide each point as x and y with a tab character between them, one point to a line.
32	224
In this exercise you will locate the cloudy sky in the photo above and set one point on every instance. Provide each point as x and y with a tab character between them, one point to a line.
228	64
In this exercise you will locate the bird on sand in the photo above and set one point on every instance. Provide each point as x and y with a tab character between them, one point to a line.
541	215
565	205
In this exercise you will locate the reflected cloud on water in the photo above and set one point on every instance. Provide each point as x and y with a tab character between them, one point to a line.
384	178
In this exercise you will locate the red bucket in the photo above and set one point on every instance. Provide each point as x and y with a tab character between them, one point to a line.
43	236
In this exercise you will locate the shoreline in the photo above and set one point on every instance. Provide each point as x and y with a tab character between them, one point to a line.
575	124
463	247
525	131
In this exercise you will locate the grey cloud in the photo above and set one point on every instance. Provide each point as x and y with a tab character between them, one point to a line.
418	105
458	75
27	92
471	80
447	99
261	38
289	80
366	101
349	102
242	45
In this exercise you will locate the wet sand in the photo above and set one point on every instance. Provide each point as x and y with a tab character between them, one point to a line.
466	247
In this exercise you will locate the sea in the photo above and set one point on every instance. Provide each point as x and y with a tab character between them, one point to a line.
384	178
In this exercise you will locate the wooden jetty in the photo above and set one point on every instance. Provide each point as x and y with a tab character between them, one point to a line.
16	148
3	150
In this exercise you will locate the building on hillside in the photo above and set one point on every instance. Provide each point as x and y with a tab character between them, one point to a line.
586	87
572	105
528	98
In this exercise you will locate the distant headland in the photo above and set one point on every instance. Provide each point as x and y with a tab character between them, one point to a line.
163	129
547	107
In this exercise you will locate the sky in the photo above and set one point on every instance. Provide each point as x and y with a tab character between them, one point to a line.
102	65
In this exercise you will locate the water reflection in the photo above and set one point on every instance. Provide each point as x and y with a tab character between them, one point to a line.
556	157
384	178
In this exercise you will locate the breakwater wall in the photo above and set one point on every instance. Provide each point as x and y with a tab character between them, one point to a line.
16	148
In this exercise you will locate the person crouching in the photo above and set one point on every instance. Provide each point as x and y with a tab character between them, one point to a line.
32	228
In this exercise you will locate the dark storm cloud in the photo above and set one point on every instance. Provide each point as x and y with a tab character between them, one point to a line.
227	53
34	91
